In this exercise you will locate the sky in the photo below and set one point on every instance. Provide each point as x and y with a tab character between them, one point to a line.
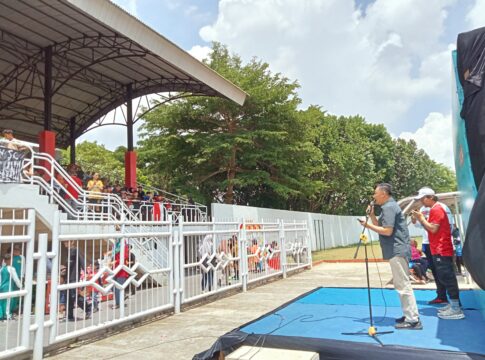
388	61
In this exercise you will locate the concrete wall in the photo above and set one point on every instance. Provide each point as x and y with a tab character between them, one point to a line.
326	231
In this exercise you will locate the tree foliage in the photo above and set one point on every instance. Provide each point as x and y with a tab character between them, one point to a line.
269	153
213	148
95	158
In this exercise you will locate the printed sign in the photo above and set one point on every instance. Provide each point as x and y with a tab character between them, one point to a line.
10	165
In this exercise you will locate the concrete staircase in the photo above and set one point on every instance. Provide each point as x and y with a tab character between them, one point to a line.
26	196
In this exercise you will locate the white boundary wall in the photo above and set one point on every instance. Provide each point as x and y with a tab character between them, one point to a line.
326	231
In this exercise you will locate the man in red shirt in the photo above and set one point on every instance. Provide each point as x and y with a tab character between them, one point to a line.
439	233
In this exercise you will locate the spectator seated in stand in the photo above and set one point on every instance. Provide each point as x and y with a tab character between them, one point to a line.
418	264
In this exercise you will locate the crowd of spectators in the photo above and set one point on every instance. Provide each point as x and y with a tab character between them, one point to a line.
147	204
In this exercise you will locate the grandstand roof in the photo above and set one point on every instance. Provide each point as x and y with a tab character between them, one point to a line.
97	50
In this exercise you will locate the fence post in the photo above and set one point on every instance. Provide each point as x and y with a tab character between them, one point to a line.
54	277
177	265
281	226
40	297
29	271
309	246
243	255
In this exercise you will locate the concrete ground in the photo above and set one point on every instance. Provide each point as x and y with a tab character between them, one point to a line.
195	330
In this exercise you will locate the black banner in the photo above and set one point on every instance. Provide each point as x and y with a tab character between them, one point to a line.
11	162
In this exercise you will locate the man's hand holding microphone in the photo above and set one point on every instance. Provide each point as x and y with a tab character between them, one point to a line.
369	212
416	215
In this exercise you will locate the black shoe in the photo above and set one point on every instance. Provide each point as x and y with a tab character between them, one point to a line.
405	325
400	320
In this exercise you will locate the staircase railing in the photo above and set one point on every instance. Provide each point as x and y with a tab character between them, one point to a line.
181	205
43	170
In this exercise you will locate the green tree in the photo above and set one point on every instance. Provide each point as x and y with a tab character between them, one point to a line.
213	149
414	169
353	158
93	157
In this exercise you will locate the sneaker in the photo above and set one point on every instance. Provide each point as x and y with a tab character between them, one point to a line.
452	314
406	325
400	320
444	308
114	306
437	301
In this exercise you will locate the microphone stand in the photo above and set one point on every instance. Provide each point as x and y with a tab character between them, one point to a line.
372	330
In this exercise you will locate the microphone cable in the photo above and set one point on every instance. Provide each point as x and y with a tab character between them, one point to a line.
380	281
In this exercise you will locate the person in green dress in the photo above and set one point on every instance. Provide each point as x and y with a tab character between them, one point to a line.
18	263
9	281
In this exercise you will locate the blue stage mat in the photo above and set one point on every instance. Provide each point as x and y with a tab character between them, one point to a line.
327	312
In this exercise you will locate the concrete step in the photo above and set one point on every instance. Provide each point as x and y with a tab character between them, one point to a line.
26	196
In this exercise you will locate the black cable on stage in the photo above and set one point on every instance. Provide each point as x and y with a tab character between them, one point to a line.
305	318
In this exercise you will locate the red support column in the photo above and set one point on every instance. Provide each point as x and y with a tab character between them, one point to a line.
130	169
47	142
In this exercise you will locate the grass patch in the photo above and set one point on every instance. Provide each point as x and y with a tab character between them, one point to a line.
347	252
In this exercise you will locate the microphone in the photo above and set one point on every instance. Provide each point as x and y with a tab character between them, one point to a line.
369	208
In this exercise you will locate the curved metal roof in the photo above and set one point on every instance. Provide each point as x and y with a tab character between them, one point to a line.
97	51
450	199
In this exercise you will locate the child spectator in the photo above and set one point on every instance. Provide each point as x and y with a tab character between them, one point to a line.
62	293
121	276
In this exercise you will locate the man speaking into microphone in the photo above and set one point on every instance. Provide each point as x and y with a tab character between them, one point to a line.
396	247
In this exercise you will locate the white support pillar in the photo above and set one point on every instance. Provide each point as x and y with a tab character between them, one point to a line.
178	264
283	246
54	279
29	271
243	256
40	297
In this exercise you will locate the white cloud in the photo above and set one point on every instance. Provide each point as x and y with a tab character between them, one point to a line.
376	64
476	15
200	52
435	138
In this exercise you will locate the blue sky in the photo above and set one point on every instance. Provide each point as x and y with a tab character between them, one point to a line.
388	61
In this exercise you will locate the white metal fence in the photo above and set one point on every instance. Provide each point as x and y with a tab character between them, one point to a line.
91	281
16	285
326	231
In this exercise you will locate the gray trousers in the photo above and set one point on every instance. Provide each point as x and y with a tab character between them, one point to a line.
402	284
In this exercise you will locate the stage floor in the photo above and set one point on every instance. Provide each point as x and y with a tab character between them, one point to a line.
327	312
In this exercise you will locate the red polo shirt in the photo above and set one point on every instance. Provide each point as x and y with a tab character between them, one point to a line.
440	243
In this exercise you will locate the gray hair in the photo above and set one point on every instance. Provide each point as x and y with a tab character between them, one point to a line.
387	188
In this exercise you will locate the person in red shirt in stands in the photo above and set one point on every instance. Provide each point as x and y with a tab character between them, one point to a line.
439	233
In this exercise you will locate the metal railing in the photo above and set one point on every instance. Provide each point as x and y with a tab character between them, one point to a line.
43	170
96	280
17	232
108	280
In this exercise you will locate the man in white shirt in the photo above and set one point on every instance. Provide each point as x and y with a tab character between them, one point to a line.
11	142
